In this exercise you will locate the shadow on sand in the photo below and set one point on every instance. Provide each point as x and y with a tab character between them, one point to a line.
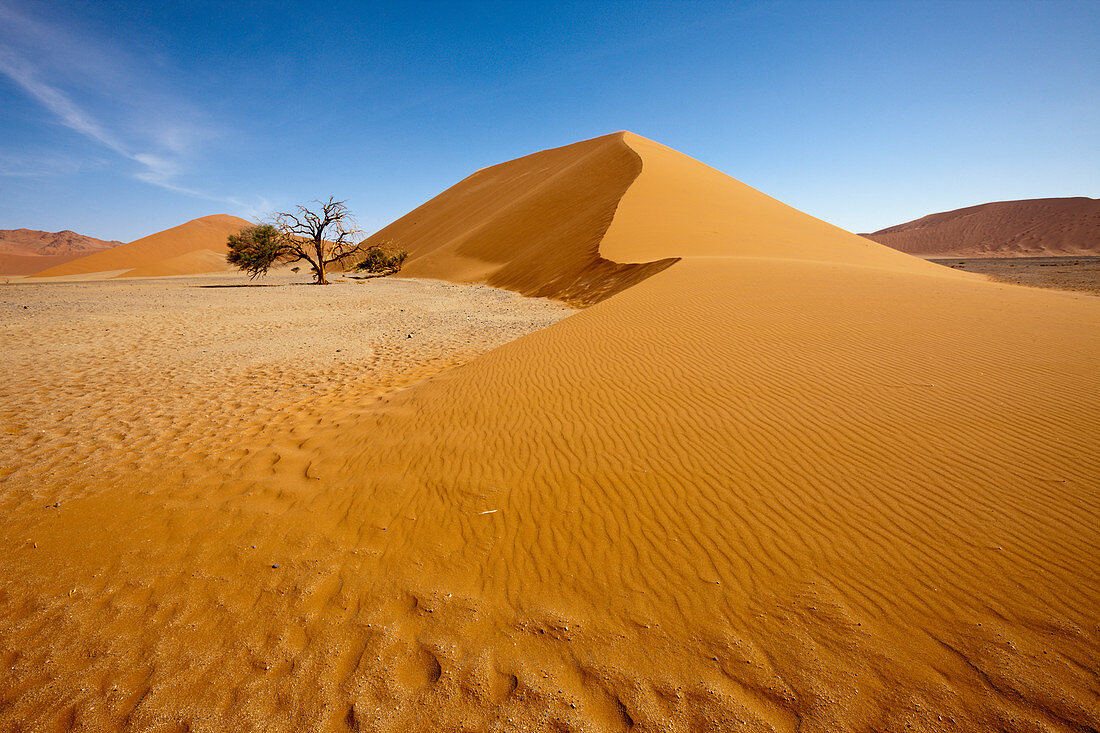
254	285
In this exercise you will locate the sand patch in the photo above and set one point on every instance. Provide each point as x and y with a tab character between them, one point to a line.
122	372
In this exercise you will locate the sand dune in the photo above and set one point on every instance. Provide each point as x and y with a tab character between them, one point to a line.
20	264
1029	228
195	262
171	252
792	480
533	225
540	224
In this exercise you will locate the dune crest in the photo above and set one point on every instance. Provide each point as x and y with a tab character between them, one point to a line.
533	225
706	213
166	253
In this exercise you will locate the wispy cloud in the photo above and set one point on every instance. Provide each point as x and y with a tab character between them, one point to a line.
56	101
54	67
39	165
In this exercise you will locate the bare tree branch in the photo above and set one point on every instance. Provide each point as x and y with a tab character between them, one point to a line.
321	235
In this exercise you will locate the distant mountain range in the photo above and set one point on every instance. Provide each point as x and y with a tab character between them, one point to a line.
194	247
25	251
50	244
1032	227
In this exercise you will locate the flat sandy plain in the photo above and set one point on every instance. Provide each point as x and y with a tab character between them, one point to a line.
125	371
774	476
1079	274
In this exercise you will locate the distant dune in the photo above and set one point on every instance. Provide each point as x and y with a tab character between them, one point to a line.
195	262
776	477
175	251
1029	228
26	251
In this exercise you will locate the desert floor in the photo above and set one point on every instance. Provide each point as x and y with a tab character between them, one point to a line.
120	370
119	379
713	501
1081	274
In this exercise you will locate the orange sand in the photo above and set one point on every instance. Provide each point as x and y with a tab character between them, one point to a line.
175	251
793	481
22	264
195	262
533	225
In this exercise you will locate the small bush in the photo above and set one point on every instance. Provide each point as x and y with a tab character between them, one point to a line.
379	262
255	249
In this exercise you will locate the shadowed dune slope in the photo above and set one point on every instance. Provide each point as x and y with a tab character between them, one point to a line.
206	233
532	225
1029	228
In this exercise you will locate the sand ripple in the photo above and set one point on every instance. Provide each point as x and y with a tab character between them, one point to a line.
812	487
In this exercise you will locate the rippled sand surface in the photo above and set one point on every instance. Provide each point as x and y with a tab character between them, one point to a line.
792	480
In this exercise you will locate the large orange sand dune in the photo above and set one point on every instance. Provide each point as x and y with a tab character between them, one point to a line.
533	225
794	480
175	251
1029	228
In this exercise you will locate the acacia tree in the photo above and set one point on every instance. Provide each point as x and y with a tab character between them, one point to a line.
318	237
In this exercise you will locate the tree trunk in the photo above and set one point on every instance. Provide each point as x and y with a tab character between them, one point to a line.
320	268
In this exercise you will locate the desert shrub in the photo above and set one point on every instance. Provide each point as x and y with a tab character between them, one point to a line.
255	249
378	261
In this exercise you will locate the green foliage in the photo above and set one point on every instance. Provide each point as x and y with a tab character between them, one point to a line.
379	262
255	249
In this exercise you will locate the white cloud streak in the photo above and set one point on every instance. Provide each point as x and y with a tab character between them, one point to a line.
40	166
161	166
56	101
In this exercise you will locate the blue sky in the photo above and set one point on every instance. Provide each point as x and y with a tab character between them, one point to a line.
121	119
